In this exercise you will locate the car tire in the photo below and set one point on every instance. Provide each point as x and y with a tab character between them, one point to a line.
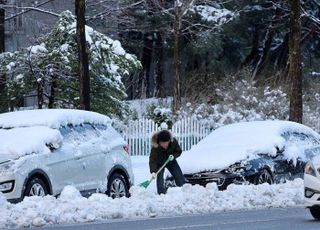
262	177
117	186
315	212
36	187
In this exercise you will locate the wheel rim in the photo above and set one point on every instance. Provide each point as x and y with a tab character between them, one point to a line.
117	189
170	184
37	190
265	178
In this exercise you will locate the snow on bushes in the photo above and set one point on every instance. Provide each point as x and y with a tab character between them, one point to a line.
237	100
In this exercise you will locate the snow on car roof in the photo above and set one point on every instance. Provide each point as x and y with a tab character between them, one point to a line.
235	142
53	118
23	141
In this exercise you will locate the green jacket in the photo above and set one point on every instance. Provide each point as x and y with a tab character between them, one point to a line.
158	155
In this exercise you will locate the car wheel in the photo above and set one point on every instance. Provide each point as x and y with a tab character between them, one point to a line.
315	212
36	187
263	177
117	186
169	183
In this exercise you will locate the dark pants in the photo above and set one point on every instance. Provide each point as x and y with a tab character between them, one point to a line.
175	171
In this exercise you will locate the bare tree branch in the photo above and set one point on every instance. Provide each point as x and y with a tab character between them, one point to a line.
109	11
27	8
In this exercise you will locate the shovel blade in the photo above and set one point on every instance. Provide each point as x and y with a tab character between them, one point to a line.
145	184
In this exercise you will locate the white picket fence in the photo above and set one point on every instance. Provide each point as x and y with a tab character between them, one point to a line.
138	133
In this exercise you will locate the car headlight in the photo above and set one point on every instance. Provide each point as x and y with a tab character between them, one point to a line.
238	168
309	169
6	186
6	167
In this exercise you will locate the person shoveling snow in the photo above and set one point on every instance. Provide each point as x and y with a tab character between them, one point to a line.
164	145
146	183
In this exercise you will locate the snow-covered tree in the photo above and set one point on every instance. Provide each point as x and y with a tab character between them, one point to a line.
51	69
165	31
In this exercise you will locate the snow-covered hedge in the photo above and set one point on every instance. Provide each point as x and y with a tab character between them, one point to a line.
237	99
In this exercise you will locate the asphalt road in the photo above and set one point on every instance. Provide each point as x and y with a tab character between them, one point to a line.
278	218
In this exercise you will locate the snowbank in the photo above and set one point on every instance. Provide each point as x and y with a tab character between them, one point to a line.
3	200
72	208
53	118
235	142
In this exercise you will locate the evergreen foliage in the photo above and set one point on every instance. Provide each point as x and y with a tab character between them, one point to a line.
51	67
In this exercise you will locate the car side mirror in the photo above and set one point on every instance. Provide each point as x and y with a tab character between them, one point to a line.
280	150
53	146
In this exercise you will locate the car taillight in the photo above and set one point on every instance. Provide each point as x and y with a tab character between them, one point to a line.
126	148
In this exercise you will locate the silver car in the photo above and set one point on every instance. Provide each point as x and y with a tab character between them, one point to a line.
42	151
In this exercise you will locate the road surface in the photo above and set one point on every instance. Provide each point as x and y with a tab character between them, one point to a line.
277	218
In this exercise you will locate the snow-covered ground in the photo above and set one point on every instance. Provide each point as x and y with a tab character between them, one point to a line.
71	207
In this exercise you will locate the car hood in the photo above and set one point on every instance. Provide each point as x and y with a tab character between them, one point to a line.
4	157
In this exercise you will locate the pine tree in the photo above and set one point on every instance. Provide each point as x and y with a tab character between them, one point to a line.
50	69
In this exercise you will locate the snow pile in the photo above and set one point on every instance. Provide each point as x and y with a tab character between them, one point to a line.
69	192
3	200
72	208
215	15
53	118
235	142
21	141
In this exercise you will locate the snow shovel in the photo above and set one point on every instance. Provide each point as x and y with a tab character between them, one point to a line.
146	183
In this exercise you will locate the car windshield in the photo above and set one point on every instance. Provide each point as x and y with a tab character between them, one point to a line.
312	152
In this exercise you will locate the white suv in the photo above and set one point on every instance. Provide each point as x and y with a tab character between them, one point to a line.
312	183
42	151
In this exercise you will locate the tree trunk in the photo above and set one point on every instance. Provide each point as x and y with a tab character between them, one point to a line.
52	94
2	28
3	104
295	74
253	55
83	56
160	81
256	76
40	93
177	60
144	79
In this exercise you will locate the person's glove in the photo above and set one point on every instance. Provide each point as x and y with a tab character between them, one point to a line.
153	175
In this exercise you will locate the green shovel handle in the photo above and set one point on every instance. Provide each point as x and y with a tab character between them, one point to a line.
170	158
